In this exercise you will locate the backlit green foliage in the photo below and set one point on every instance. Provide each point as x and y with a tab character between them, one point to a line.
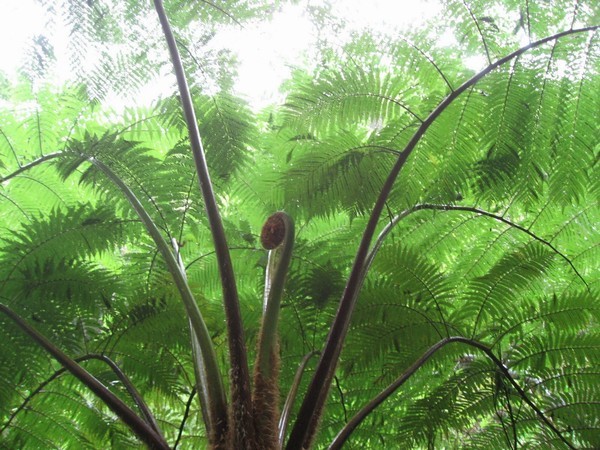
496	237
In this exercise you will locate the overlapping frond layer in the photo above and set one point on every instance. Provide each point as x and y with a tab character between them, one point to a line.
78	266
495	237
489	233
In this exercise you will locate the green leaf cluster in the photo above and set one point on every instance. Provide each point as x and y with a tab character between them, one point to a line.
489	232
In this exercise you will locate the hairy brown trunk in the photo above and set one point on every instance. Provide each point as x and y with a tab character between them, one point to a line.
241	435
265	404
219	442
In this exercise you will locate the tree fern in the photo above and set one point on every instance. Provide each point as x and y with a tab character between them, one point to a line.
468	317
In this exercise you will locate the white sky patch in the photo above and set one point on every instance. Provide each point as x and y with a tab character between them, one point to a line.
475	62
385	15
266	50
19	21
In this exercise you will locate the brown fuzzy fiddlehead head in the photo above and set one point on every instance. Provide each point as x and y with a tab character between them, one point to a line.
273	231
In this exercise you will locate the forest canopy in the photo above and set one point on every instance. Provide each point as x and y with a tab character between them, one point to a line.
438	184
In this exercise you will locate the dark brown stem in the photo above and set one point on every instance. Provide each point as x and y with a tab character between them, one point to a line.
343	435
186	414
139	401
429	206
311	410
131	389
141	429
507	222
206	366
485	46
203	379
225	12
291	397
240	378
28	166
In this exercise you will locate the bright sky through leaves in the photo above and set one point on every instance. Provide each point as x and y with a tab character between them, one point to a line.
265	51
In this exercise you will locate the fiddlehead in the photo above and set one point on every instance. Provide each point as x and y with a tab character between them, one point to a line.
277	236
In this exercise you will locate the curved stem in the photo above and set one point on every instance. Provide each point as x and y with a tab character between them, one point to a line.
428	206
136	397
141	429
311	410
133	392
485	46
343	435
225	12
381	237
208	376
291	397
28	166
431	61
33	393
240	378
277	236
199	368
507	222
277	268
186	414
